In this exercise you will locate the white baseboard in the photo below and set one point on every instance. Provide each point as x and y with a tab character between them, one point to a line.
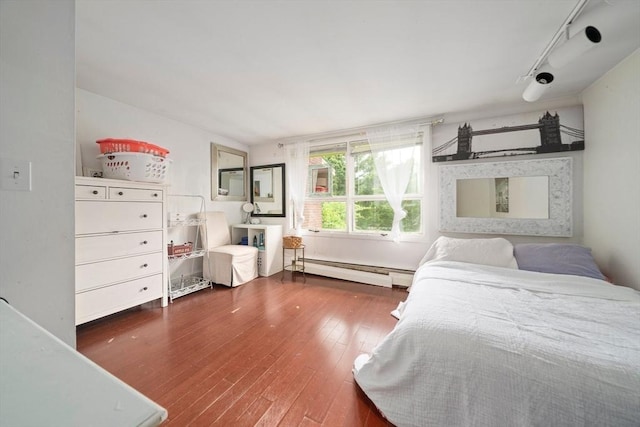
384	280
402	280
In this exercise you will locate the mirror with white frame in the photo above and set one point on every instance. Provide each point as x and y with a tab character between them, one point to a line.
267	190
228	173
531	197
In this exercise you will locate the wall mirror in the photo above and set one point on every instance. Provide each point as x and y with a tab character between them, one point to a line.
267	190
531	197
503	197
228	173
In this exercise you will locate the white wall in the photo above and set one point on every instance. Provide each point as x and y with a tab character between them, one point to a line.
612	171
189	147
37	69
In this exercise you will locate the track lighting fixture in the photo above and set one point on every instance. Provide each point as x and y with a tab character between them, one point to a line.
542	80
582	30
538	86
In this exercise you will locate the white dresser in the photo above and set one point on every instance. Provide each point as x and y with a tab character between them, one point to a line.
121	255
269	242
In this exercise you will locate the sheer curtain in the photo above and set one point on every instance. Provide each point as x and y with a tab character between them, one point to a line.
297	161
393	149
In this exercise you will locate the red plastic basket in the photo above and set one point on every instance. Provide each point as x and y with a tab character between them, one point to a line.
112	145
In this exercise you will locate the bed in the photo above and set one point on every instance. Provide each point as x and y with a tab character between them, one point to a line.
478	344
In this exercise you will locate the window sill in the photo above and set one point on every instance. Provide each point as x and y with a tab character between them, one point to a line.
406	238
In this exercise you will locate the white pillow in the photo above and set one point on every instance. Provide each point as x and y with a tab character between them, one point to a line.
497	252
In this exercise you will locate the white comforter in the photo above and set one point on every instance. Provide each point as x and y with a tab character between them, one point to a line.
490	346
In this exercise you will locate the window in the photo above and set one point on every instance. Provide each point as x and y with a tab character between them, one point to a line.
344	193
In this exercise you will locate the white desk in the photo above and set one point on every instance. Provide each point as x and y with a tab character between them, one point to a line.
44	382
269	261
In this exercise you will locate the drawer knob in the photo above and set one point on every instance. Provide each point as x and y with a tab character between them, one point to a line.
144	215
120	193
145	265
144	242
155	194
95	191
145	288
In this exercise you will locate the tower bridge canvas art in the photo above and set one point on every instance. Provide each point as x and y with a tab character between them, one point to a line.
531	133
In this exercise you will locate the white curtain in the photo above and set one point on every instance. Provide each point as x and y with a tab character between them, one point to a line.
393	149
297	161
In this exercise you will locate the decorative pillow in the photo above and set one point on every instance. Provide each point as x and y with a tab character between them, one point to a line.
558	258
497	252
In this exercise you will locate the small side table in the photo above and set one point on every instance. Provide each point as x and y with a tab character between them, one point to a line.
296	265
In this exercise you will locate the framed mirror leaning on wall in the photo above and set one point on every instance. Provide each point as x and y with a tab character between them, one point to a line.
228	173
531	197
268	190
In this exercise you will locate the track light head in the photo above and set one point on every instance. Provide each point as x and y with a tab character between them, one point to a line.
581	42
538	86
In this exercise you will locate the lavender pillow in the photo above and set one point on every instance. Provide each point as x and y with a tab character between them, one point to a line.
558	258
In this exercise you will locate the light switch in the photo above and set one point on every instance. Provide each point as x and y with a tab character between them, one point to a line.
15	174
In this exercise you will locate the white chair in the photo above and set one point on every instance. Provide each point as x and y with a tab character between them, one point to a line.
226	264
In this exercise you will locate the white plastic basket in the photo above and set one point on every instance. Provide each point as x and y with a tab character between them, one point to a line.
141	167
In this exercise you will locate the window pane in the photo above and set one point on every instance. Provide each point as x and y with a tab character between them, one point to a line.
373	216
325	215
377	215
412	223
365	176
336	164
414	182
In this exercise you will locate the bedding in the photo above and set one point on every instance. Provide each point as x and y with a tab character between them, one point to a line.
492	346
495	251
559	258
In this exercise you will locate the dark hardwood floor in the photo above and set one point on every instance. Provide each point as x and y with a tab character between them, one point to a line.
266	353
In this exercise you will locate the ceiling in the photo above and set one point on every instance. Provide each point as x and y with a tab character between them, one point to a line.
258	71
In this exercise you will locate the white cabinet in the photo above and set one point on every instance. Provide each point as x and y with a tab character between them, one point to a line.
268	239
121	256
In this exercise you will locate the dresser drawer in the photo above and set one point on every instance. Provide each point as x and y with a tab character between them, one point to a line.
91	192
95	248
108	217
123	193
97	274
104	301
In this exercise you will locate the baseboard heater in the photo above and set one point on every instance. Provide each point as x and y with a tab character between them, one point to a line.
371	275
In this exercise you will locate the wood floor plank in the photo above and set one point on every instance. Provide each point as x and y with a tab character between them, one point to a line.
344	410
285	399
307	422
254	413
208	395
228	399
269	352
